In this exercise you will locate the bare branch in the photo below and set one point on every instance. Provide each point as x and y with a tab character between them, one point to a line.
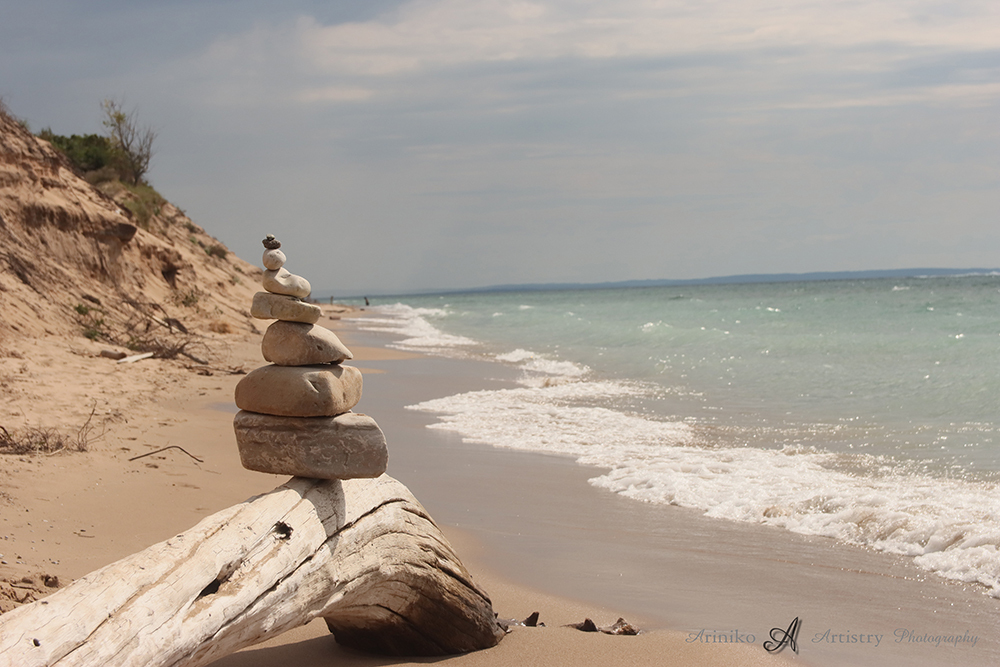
134	142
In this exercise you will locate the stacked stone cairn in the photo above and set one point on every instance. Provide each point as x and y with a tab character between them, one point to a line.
295	414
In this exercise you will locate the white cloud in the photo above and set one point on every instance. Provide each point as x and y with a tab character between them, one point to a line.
783	45
804	135
432	33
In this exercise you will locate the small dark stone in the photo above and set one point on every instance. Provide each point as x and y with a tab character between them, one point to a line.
587	626
271	243
531	621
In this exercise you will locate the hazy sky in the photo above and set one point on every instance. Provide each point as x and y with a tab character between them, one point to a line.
398	145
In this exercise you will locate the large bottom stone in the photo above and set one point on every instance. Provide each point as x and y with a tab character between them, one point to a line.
342	447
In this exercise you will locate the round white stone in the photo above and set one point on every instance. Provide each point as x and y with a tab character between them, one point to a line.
274	259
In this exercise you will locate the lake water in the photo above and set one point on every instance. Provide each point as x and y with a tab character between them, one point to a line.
861	410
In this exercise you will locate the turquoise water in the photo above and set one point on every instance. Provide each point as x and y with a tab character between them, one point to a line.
863	410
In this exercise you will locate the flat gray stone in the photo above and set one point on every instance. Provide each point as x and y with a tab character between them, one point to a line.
342	447
267	306
300	391
299	344
280	281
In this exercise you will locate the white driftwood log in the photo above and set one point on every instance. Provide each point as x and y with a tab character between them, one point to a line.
361	553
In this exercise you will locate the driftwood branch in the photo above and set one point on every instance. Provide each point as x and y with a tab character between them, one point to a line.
361	553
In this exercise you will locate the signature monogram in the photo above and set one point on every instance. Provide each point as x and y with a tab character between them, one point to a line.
781	638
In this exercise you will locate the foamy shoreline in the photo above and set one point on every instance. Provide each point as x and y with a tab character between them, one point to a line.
667	564
530	528
645	441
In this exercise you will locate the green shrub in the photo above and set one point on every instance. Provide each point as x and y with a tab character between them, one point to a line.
88	152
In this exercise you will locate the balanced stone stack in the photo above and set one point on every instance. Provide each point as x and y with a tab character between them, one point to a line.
295	415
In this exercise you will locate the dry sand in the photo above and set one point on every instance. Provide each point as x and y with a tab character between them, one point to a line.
68	513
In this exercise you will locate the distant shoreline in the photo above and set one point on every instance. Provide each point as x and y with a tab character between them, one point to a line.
740	279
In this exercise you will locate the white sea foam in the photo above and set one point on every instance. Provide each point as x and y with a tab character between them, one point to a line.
535	364
544	419
948	526
413	323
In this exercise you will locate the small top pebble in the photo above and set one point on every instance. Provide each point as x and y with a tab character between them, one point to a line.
271	243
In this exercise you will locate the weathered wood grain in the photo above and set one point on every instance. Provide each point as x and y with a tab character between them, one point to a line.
361	553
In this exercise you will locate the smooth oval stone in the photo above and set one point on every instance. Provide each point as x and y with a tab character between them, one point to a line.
300	391
342	447
273	259
298	344
267	306
280	281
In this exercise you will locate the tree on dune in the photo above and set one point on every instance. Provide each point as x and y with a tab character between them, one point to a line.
133	141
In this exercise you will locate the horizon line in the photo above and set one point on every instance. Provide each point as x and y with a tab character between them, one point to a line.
736	279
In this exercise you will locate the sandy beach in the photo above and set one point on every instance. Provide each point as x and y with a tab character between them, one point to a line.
529	527
69	513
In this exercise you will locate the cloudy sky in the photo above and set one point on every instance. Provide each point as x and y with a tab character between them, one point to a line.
401	145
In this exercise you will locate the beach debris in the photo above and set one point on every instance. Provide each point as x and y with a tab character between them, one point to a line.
619	627
134	458
24	590
295	414
136	357
586	626
35	440
172	323
113	354
530	622
361	553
